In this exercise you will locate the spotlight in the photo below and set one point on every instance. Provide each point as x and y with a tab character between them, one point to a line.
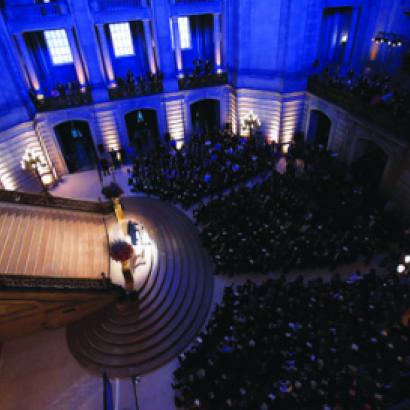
401	268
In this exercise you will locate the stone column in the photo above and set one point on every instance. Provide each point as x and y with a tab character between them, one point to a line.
105	54
148	44
28	62
351	37
79	69
335	36
177	45
217	41
88	46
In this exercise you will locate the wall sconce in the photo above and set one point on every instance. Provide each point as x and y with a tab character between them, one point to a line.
343	39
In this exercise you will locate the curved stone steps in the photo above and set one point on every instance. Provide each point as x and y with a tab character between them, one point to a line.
149	325
137	337
155	323
117	321
162	280
146	313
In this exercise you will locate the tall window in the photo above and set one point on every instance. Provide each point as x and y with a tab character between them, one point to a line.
184	32
121	39
58	47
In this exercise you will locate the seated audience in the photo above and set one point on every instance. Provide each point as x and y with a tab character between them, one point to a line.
310	217
204	166
340	345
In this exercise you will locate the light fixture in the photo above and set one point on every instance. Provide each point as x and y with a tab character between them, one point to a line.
344	38
32	162
400	268
391	39
251	122
403	268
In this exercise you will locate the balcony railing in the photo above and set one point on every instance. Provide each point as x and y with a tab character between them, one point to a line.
36	10
25	282
126	90
69	100
190	82
116	5
378	115
194	1
26	198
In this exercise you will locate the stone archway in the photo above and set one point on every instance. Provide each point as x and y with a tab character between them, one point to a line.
369	163
319	128
76	144
142	129
205	116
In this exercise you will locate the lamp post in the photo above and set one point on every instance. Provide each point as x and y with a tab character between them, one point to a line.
32	162
250	123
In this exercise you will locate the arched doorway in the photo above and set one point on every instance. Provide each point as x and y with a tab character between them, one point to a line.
77	145
319	128
205	116
143	132
370	163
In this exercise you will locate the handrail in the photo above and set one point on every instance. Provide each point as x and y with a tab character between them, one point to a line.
26	198
27	282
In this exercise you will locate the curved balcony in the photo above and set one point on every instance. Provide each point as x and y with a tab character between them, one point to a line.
377	114
127	90
69	100
21	11
116	5
192	81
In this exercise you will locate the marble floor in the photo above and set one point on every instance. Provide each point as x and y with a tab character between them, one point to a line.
38	372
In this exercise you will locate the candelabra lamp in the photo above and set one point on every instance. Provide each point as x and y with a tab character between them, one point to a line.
33	163
251	123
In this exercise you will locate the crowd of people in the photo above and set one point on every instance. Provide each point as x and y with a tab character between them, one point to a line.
205	166
338	345
309	217
378	91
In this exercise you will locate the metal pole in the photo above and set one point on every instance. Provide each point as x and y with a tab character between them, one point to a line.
135	382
